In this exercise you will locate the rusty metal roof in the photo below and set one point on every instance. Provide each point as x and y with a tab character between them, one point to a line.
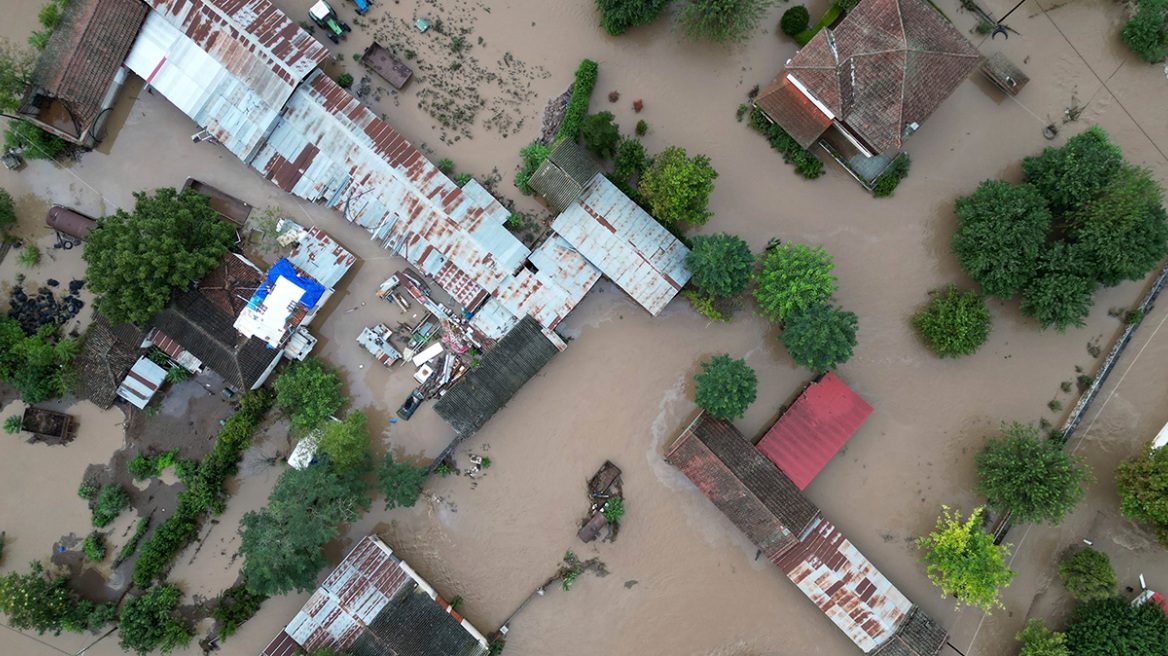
626	244
814	428
321	258
838	579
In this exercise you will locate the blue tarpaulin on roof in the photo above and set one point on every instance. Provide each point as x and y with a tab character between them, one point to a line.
284	269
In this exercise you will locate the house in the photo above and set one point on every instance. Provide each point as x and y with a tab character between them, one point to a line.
375	604
79	73
863	87
791	532
107	354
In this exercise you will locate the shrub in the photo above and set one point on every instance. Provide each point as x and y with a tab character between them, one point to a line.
131	546
110	503
889	180
176	375
793	278
7	209
601	135
642	128
1037	640
461	179
42	603
532	156
1114	627
1087	575
88	490
721	264
1145	34
631	160
1032	478
578	102
345	80
678	188
725	387
13	425
847	5
235	606
33	142
445	165
94	547
721	21
953	323
616	16
805	162
1142	482
148	623
964	561
614	509
820	337
29	256
795	20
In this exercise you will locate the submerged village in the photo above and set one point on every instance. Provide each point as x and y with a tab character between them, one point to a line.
465	328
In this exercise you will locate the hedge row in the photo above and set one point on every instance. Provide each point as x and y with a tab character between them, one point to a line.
805	162
204	491
578	103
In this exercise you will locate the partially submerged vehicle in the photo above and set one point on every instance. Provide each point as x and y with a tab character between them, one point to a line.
385	64
410	406
326	18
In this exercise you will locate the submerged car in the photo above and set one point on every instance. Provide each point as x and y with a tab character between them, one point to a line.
408	408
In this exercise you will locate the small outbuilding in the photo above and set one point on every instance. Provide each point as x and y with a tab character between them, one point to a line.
1004	73
142	383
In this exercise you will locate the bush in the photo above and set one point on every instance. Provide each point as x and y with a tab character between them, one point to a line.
793	278
47	604
235	606
33	142
1142	482
1087	575
846	5
820	337
805	162
1058	300
578	102
964	561
110	503
1113	627
721	21
1037	640
131	546
616	16
143	466
462	179
532	156
445	165
642	128
148	623
795	20
631	160
678	188
889	180
7	209
345	80
1145	34
725	387
94	547
29	256
953	323
1032	478
13	425
88	490
601	135
614	510
721	264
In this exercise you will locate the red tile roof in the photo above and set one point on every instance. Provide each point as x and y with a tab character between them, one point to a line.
814	428
888	65
801	118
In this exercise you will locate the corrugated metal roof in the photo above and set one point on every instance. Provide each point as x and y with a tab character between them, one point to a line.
838	579
626	244
814	428
555	185
321	258
142	382
574	161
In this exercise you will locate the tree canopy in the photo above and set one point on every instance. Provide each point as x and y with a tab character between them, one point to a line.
722	21
678	188
1143	489
793	278
401	483
721	264
820	337
1146	33
136	261
725	387
954	323
616	16
311	391
35	364
1032	478
43	603
16	68
601	135
1087	575
1000	234
346	442
1058	300
1072	174
282	544
148	623
1112	627
1037	640
964	561
7	209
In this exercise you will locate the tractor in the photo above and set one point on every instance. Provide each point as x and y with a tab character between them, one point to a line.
324	16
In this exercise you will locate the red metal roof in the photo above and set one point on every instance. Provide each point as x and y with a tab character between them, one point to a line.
814	428
1160	601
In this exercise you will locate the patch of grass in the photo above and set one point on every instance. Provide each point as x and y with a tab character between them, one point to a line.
130	547
1065	386
1055	405
29	256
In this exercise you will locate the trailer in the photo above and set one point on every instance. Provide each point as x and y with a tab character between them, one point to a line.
47	425
385	64
229	208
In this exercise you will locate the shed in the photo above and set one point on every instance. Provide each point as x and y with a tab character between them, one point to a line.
1004	74
142	382
564	174
71	222
381	60
814	428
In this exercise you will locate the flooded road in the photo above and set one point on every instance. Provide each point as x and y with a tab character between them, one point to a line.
681	579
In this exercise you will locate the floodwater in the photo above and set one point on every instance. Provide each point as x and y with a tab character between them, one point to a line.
681	579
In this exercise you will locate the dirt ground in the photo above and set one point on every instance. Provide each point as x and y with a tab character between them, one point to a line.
682	579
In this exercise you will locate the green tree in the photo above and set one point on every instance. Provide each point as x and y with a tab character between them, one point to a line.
7	209
282	544
721	264
1087	575
1037	640
722	21
149	623
33	142
1143	489
616	16
16	68
964	561
793	278
601	135
1071	175
795	20
1113	627
1030	477
1114	256
820	337
345	80
34	364
1144	33
532	155
346	442
954	323
725	387
311	391
43	603
631	160
327	651
1122	202
401	483
137	260
1001	230
110	503
1058	300
678	188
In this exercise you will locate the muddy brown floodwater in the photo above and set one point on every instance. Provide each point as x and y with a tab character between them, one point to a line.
681	579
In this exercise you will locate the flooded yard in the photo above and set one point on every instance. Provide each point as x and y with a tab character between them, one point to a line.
681	579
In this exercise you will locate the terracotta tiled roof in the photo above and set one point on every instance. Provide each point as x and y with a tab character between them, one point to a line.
801	118
84	54
230	285
888	65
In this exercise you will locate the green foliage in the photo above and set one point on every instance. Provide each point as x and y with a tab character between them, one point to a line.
401	483
29	256
346	442
721	21
137	260
1058	300
1087	575
282	544
1143	489
148	623
311	391
570	571
445	165
143	466
721	264
725	387
33	142
805	162
443	469
94	547
889	180
953	323
631	159
964	561
1145	32
795	20
678	188
985	27
578	102
15	76
176	375
1037	640
601	135
50	16
327	651
532	155
704	305
820	337
110	503
131	546
1032	478
461	179
345	80
34	364
496	647
846	5
7	209
235	606
793	278
614	509
616	16
88	490
1112	256
1112	627
42	603
1122	202
13	425
1071	175
641	128
1000	234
